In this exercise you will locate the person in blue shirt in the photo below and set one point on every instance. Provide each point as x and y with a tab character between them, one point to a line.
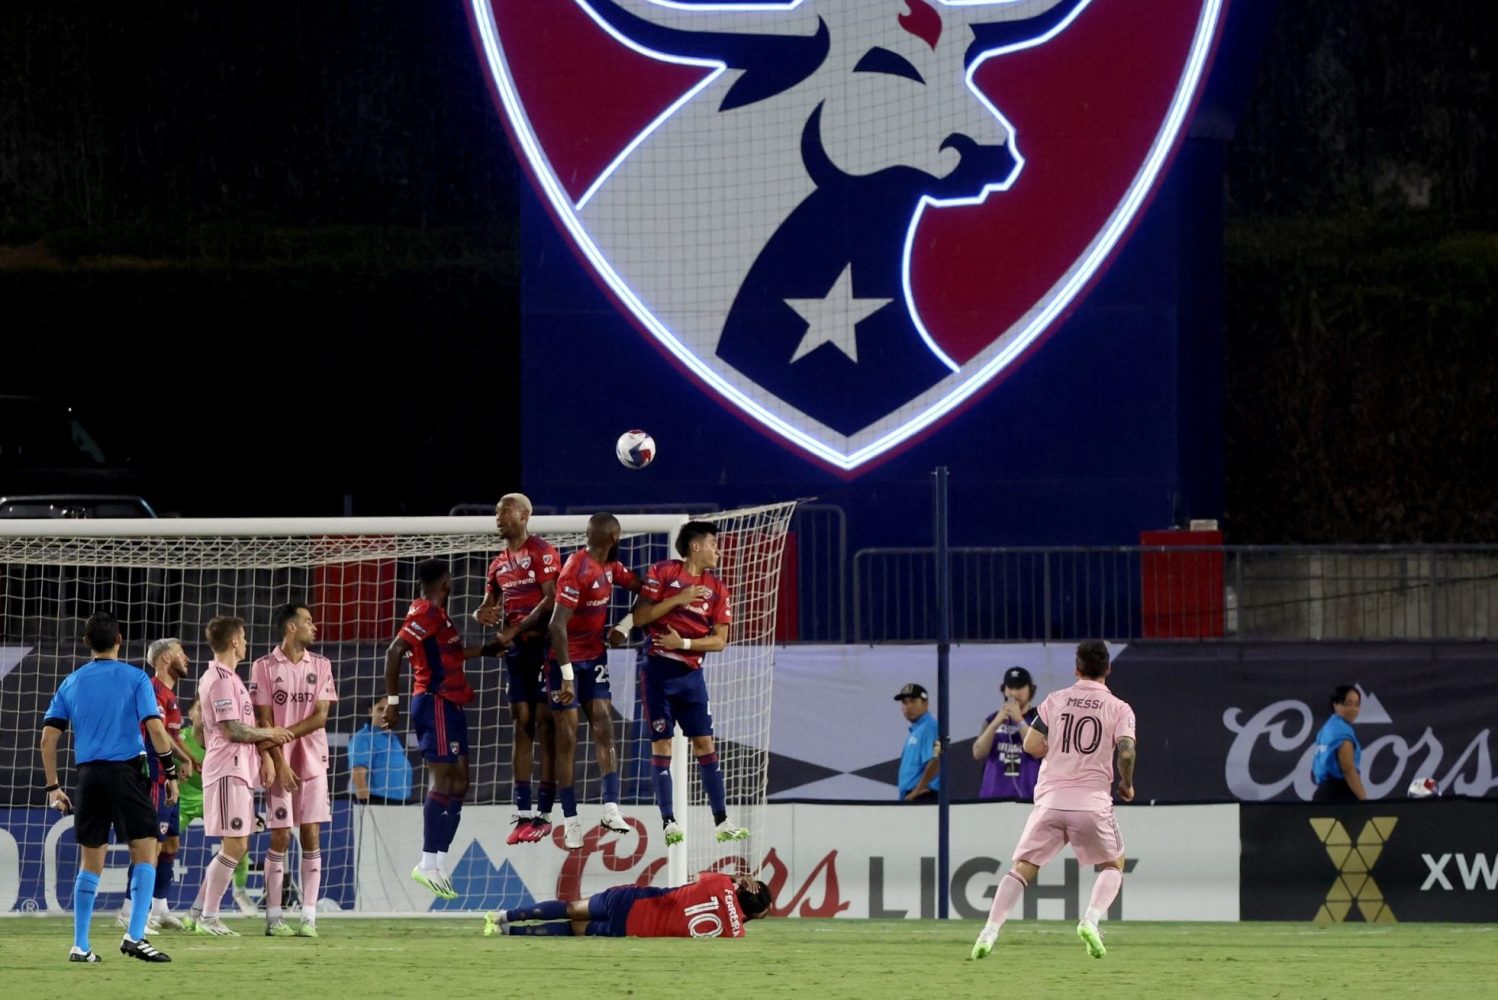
379	768
1339	756
107	702
921	760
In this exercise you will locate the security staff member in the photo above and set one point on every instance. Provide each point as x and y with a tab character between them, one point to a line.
106	702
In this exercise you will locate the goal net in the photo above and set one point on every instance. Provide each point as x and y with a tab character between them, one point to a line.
168	578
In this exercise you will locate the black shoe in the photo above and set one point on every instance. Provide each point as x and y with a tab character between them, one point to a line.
84	956
143	950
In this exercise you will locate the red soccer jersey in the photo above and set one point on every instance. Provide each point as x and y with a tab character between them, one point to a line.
436	652
695	620
707	908
585	587
515	578
171	718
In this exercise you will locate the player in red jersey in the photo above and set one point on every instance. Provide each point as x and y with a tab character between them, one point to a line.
577	672
715	905
440	691
519	591
684	610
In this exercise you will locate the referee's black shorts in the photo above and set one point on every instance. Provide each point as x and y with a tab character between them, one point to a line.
117	794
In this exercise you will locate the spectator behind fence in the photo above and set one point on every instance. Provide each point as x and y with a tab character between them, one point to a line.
1339	755
379	768
1009	772
920	761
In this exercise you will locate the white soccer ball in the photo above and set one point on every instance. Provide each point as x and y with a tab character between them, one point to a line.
635	449
1423	788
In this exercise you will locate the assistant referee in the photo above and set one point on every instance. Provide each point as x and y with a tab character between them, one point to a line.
106	702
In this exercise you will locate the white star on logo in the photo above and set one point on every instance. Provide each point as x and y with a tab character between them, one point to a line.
834	319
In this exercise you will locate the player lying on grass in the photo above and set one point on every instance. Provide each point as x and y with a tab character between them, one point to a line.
716	905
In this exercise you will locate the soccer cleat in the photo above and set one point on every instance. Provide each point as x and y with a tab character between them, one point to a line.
307	929
122	920
435	881
165	921
496	922
1093	939
726	831
143	950
536	830
279	928
213	927
190	919
572	835
674	834
79	955
522	824
244	902
612	820
986	939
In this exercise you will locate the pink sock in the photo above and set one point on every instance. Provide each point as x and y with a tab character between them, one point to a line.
275	879
1104	891
311	881
216	880
1011	888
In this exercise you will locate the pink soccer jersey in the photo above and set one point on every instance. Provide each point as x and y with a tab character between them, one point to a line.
292	691
1082	724
224	698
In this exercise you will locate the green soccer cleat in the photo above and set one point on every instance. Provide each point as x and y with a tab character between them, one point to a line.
307	929
494	923
1093	939
674	834
984	945
435	881
279	928
726	832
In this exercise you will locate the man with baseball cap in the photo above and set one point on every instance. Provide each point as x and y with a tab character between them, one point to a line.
920	760
1009	772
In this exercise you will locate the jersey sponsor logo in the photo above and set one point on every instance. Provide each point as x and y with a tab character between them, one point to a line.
890	185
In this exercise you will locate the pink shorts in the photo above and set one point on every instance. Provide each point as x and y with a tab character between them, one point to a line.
228	808
1093	836
308	804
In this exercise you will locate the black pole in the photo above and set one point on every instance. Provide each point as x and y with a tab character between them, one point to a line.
943	662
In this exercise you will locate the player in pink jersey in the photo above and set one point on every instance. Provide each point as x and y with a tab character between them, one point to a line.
233	767
577	672
519	593
292	687
1076	733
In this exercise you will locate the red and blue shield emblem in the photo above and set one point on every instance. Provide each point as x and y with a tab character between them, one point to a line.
847	218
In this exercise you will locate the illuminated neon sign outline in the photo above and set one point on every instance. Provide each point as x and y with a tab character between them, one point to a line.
1049	308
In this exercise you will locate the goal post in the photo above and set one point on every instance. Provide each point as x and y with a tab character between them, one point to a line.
168	577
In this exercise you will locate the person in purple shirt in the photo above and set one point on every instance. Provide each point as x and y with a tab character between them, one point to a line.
1009	772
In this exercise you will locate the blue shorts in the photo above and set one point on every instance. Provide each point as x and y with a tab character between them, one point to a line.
590	680
609	910
672	692
167	816
441	728
524	662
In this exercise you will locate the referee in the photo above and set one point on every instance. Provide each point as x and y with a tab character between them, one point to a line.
106	702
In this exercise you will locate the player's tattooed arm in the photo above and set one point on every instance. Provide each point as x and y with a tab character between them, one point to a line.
238	732
1128	754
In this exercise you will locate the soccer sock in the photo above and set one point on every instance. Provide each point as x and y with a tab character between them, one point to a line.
125	908
568	796
142	882
433	823
712	784
611	787
275	871
220	871
164	865
429	859
1104	891
549	909
663	790
557	928
453	816
311	882
522	797
1011	888
548	798
242	873
85	890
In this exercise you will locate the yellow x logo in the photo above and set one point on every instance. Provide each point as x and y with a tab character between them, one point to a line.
1354	861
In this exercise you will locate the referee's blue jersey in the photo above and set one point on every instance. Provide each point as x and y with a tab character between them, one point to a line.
105	701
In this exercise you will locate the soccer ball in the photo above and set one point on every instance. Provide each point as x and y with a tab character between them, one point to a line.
635	449
1423	788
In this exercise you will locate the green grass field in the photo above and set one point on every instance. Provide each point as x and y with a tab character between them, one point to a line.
813	959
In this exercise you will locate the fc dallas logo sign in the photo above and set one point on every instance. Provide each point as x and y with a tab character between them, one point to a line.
846	217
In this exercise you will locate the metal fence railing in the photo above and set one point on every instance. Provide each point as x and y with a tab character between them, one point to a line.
1180	592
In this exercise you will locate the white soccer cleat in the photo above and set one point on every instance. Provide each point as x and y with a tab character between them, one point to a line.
122	920
674	834
213	927
165	921
726	831
436	880
572	833
986	940
613	820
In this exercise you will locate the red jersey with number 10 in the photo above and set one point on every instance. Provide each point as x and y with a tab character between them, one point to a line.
693	620
515	578
436	652
586	587
707	908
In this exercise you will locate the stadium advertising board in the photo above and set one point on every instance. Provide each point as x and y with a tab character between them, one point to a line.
1385	862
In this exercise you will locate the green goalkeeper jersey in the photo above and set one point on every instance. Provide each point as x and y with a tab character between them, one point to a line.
190	792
